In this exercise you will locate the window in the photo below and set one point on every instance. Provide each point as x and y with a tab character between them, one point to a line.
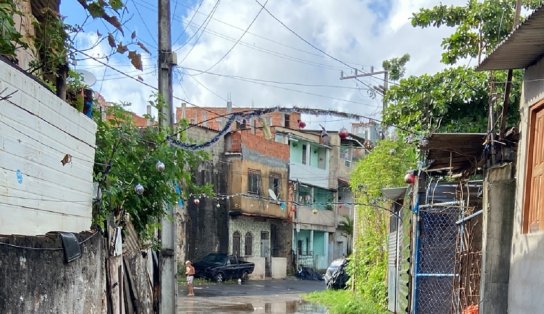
236	243
254	182
533	218
274	184
304	153
249	244
286	118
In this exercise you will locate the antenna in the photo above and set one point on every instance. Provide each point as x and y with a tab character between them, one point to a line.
272	194
88	77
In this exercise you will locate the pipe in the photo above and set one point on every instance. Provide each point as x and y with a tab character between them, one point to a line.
460	221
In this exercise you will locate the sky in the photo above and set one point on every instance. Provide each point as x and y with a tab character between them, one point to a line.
235	50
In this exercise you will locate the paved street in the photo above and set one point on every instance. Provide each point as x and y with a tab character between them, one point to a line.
261	296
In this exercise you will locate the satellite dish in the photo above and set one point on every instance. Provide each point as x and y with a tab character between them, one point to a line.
88	77
272	194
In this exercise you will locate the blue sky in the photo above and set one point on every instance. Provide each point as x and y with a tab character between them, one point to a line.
268	65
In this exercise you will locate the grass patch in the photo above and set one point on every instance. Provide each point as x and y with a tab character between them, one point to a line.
344	302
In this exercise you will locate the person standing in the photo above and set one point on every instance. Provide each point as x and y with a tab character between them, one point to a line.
190	273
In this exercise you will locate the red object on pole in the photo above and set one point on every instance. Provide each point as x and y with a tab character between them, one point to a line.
410	178
343	133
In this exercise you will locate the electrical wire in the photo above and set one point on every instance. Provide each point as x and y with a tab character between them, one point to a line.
184	30
307	93
237	41
46	248
204	26
137	80
153	37
308	42
269	81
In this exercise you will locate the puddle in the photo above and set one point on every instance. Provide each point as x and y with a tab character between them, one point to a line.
291	307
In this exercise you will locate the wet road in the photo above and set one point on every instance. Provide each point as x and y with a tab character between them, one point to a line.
262	296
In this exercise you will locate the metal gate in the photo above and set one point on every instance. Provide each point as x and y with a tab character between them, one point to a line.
435	243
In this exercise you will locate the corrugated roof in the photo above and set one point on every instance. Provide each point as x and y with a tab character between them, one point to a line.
523	46
453	152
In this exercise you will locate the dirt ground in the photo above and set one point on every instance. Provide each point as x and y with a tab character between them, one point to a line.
254	296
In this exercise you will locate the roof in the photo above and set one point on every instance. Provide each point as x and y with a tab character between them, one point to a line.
453	152
394	193
522	48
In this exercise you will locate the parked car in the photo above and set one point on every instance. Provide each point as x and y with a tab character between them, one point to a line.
336	276
221	267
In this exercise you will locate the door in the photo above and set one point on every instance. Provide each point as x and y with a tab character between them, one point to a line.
265	251
534	202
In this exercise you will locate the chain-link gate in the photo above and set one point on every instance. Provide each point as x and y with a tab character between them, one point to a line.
435	253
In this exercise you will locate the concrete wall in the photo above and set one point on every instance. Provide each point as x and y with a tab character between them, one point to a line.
245	225
37	130
498	208
526	267
279	267
204	227
39	281
259	271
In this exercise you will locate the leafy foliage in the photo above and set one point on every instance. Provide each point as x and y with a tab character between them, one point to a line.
453	100
126	156
396	66
479	26
10	38
456	99
384	167
344	302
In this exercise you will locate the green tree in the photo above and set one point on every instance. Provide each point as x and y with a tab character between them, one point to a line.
396	67
385	166
456	99
127	156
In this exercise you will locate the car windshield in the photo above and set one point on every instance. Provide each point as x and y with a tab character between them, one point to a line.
214	258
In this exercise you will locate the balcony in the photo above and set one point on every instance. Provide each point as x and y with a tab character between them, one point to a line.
254	205
323	217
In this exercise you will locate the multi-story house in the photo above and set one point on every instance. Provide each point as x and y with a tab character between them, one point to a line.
320	166
370	131
249	215
285	190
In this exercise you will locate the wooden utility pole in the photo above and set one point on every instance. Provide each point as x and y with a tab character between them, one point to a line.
167	260
380	88
508	85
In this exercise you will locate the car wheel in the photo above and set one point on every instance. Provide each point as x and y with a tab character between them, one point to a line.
219	278
245	276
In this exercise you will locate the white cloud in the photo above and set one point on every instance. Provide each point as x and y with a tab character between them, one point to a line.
347	30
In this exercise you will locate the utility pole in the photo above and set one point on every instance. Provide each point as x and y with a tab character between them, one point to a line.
380	88
167	259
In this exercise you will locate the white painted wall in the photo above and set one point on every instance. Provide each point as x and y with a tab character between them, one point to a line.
526	266
279	267
37	193
310	175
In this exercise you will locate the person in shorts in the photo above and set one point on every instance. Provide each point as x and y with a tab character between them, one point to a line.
190	273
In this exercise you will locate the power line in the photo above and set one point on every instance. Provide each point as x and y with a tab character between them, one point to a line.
261	49
137	80
144	22
188	23
304	92
306	41
203	26
237	41
269	81
264	38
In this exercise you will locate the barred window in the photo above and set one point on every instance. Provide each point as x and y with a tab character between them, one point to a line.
254	182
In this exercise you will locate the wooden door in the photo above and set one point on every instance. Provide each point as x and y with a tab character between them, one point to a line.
535	173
